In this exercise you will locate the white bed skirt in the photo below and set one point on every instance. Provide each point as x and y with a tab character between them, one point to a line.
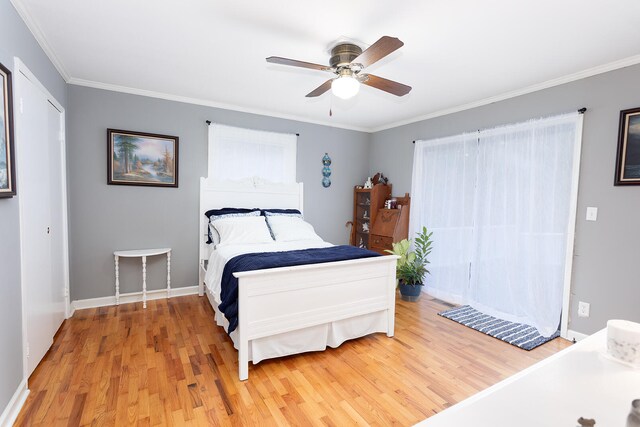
314	338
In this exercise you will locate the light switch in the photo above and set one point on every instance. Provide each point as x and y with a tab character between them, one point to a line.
592	214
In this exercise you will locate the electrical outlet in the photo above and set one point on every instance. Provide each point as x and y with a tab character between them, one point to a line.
583	309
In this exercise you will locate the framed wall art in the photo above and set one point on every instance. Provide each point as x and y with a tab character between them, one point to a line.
7	164
137	158
628	159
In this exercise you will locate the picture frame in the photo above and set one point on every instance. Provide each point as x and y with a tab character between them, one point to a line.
7	158
628	157
143	159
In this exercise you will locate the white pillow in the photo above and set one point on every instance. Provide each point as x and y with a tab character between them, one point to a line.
250	229
289	229
214	238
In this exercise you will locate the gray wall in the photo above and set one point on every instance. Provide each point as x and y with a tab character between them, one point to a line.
104	218
16	40
606	267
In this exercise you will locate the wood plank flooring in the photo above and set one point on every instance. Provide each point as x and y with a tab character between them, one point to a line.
170	365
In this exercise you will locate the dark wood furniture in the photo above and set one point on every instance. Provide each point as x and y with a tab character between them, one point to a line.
390	225
366	204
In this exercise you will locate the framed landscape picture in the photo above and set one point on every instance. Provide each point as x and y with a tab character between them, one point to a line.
7	167
137	158
628	160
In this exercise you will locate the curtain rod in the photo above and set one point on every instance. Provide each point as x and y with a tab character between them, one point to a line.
208	122
580	111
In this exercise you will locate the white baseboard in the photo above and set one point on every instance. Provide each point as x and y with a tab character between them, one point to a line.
131	297
575	336
14	406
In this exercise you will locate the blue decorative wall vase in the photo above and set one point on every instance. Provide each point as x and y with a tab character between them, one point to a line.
326	170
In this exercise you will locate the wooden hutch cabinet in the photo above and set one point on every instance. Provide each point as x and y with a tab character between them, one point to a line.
391	225
366	205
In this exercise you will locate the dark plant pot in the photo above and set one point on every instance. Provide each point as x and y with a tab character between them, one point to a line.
410	292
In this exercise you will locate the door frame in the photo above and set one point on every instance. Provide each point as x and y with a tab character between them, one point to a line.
21	68
571	231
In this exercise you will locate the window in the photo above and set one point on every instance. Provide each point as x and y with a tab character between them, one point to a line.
237	153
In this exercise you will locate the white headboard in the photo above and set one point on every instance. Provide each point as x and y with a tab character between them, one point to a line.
250	193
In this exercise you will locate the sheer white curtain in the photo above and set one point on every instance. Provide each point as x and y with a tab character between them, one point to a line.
237	153
525	174
520	218
444	179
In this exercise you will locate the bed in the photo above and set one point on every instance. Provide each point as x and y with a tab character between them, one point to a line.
291	310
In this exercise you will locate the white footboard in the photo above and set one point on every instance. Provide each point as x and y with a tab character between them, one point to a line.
279	300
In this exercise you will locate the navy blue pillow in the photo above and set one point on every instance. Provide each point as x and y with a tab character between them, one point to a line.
280	211
225	211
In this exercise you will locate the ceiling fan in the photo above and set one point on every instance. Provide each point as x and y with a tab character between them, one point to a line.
347	63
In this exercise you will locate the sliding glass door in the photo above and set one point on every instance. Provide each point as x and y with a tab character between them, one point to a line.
502	202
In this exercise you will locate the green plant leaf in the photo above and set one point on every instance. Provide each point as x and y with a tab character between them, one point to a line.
411	268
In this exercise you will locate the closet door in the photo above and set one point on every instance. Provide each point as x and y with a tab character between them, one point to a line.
57	201
39	175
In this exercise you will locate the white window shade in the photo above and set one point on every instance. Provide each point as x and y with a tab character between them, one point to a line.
237	153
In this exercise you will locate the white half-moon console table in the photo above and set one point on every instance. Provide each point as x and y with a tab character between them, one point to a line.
142	253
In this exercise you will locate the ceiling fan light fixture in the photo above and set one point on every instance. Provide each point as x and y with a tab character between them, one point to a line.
347	62
345	87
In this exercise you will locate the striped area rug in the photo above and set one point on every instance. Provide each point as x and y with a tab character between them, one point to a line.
518	334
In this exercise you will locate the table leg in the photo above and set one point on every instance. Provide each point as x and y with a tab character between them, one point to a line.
117	280
169	274
144	282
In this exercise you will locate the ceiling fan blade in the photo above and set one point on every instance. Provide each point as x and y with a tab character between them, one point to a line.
386	85
383	47
294	63
320	89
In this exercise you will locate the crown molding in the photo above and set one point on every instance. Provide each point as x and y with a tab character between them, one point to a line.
206	103
590	72
40	38
600	69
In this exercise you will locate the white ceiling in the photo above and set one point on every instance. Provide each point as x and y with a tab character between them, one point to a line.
456	54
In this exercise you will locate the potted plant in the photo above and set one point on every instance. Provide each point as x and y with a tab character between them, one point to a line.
411	267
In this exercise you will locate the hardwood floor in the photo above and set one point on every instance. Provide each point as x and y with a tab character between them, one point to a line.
170	365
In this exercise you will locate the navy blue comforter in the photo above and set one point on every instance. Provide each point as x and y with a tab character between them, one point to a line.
264	260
